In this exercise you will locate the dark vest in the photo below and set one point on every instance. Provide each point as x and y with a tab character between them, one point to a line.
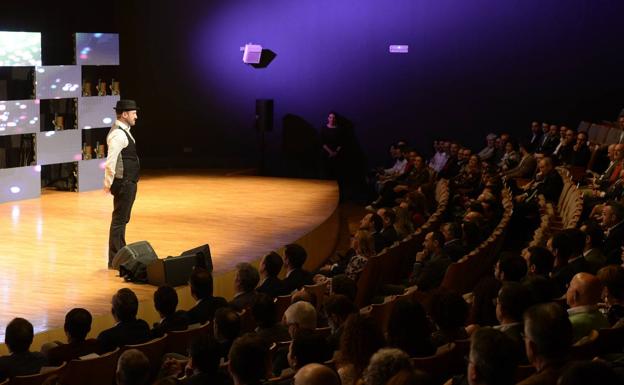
131	166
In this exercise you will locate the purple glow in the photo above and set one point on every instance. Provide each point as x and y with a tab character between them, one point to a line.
102	165
37	168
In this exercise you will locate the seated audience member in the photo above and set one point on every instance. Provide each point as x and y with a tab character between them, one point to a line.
227	327
245	282
133	368
166	302
360	339
536	133
488	152
449	312
550	141
306	348
582	297
592	251
431	263
511	157
384	364
568	260
467	181
129	330
341	284
203	365
589	372
440	157
539	260
546	182
454	163
403	225
294	258
338	308
304	295
373	223
491	361
270	267
263	311
249	361
408	329
613	223
300	315
77	326
453	246
547	340
388	232
316	374
202	289
526	166
513	299
364	245
483	307
510	268
21	361
581	153
541	288
612	279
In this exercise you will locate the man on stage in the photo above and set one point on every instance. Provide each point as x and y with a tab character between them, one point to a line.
121	173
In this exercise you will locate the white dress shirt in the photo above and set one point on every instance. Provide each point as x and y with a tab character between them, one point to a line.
116	141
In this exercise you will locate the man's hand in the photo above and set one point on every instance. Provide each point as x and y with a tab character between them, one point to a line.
421	256
107	190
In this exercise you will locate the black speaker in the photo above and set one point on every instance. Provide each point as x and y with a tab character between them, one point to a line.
264	115
172	271
202	255
132	260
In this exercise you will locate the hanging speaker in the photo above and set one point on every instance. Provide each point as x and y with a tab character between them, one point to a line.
264	115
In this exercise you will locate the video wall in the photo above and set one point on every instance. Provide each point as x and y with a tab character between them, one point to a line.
54	119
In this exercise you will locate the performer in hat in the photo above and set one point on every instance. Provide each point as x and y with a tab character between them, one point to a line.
121	173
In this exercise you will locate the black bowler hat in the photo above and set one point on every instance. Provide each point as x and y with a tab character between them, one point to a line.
126	105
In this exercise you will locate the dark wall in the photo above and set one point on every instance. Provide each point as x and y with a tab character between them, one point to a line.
474	67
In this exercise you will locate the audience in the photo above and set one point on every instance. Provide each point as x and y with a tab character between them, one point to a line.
201	290
547	340
316	374
203	365
360	339
589	372
133	368
513	299
249	361
449	312
227	327
384	364
245	281
166	302
431	263
18	337
612	279
129	330
294	258
409	329
306	348
583	295
338	308
77	325
270	267
264	314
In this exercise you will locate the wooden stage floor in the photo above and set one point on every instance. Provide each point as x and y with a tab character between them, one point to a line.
54	249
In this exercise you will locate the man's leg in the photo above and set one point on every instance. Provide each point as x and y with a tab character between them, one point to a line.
122	207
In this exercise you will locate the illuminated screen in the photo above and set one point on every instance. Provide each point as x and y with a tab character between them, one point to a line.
19	117
97	48
20	183
19	49
96	111
59	146
57	82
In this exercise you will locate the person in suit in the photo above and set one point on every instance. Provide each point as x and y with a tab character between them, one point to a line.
491	358
549	141
21	361
592	252
249	360
547	341
202	289
294	258
512	300
133	368
431	263
453	245
203	365
388	231
546	182
373	223
245	282
166	302
567	247
77	326
270	267
264	314
533	139
227	327
316	374
129	330
613	223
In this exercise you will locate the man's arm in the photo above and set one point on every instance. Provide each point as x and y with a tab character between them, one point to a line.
116	141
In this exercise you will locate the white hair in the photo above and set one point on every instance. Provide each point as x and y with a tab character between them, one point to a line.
301	313
384	364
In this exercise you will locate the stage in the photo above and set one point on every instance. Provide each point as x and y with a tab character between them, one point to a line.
54	248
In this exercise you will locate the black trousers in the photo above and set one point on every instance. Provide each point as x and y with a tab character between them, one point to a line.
124	193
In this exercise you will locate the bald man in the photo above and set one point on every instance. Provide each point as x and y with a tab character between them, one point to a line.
583	296
316	374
